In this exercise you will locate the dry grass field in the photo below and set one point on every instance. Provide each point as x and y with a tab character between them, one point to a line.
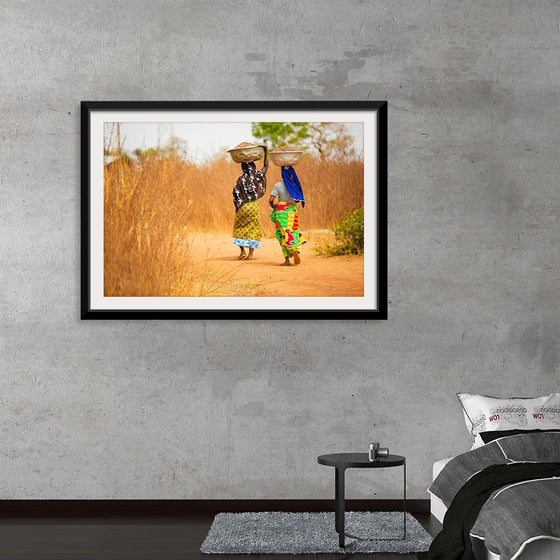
158	210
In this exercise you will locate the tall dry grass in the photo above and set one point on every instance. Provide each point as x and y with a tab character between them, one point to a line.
156	208
331	188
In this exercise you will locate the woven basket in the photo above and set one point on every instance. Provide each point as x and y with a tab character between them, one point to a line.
246	153
285	159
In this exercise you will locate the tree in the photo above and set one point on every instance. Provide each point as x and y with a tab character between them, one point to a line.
281	133
331	139
326	139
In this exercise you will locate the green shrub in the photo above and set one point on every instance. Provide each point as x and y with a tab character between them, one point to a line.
349	236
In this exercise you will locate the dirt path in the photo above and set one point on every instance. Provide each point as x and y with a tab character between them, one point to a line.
222	274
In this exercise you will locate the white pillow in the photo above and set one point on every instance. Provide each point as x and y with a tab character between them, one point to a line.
483	414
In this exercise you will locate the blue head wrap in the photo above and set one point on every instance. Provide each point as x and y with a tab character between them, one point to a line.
292	184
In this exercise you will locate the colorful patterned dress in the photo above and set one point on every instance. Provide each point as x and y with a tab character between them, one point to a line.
286	219
247	229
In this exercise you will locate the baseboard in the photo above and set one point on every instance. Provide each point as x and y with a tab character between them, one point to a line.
178	508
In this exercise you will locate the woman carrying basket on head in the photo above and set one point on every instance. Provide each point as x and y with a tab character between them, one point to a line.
249	187
285	214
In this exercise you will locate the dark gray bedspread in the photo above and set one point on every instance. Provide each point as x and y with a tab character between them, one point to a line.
516	513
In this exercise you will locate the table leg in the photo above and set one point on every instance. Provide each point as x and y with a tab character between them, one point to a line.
339	505
404	499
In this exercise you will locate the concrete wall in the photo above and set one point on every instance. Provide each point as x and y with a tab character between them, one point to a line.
214	409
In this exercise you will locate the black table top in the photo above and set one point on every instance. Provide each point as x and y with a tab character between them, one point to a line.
359	461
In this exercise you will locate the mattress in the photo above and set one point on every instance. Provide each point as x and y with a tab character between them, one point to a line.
437	507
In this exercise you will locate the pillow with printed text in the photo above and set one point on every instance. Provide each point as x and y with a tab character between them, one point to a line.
483	414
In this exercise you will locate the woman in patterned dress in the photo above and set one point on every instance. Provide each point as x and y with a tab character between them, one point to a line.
285	214
247	228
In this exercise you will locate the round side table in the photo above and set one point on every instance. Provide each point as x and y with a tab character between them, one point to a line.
343	461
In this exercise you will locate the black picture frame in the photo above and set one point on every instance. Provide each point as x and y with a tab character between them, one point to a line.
373	306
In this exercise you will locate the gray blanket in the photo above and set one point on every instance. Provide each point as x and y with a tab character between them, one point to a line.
516	513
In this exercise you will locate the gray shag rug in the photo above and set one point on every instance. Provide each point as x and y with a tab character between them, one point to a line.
278	532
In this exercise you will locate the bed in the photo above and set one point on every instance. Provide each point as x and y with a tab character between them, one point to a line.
502	496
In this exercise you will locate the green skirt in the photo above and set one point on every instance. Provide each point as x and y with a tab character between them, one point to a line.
286	219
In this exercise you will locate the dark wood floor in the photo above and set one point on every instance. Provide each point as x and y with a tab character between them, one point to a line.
168	538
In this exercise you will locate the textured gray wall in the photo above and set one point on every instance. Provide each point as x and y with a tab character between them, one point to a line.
211	409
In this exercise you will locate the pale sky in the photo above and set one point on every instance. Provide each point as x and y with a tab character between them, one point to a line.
203	139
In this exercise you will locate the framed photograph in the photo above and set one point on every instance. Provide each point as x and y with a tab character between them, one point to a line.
224	210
